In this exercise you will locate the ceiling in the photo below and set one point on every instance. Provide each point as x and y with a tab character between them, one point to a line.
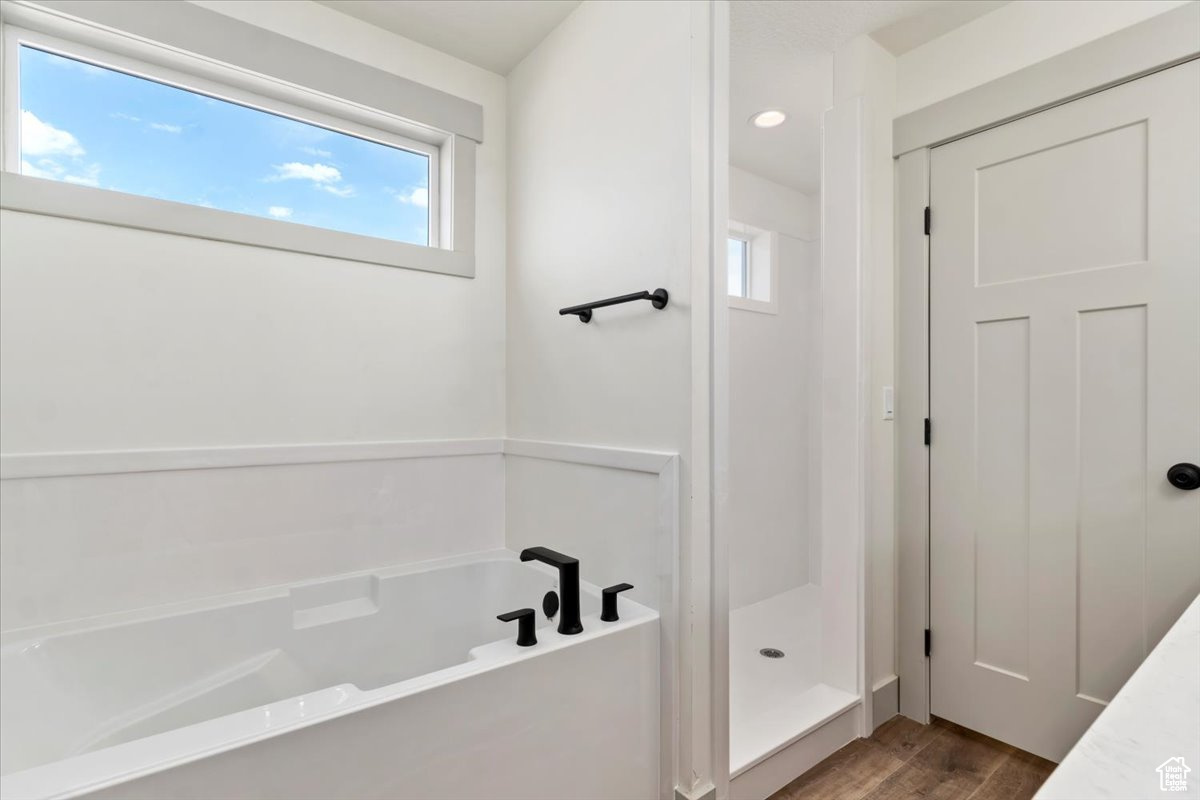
490	34
781	56
914	31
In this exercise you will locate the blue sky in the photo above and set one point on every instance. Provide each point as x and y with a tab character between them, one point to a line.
92	126
734	254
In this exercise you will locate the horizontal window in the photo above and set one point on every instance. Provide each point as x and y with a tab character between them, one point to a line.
93	126
116	129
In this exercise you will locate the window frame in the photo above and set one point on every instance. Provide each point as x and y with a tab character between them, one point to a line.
762	269
451	157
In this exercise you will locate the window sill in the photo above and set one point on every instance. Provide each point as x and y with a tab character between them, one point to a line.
757	306
55	199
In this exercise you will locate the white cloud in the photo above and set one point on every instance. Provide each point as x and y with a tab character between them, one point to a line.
92	178
417	197
166	127
279	212
38	172
128	117
316	151
323	176
52	170
43	139
317	173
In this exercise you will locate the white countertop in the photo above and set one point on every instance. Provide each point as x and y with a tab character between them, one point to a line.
1154	719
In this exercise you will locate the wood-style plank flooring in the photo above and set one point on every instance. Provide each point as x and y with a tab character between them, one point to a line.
905	759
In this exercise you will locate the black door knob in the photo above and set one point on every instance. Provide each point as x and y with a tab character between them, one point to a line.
1184	476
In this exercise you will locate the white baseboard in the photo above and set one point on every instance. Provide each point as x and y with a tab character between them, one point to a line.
885	700
708	792
769	776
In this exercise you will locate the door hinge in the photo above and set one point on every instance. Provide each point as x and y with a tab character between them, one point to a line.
927	643
928	430
928	220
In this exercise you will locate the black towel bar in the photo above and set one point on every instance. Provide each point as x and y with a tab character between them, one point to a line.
657	298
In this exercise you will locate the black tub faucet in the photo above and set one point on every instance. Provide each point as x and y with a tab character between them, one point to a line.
568	585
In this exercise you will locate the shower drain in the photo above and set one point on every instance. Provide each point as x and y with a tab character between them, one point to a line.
771	652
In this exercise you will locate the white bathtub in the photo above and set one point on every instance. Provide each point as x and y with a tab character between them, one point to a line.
397	683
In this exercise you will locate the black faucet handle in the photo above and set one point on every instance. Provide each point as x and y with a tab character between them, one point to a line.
608	601
525	618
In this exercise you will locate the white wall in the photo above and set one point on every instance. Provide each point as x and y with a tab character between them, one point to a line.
600	203
550	497
75	546
113	338
771	426
762	202
857	362
864	69
842	447
1010	38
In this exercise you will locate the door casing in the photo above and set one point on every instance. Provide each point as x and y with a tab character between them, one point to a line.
1156	44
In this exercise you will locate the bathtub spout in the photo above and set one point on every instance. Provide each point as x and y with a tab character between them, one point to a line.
568	585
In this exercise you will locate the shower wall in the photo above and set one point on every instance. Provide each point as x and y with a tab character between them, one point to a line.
601	192
774	437
599	205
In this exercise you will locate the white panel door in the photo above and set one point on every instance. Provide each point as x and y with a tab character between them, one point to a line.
1064	383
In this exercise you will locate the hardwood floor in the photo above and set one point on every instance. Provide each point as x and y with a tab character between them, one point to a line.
905	759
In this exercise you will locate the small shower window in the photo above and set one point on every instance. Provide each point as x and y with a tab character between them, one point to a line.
752	268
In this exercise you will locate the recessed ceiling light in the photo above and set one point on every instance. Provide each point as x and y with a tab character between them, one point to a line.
768	119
